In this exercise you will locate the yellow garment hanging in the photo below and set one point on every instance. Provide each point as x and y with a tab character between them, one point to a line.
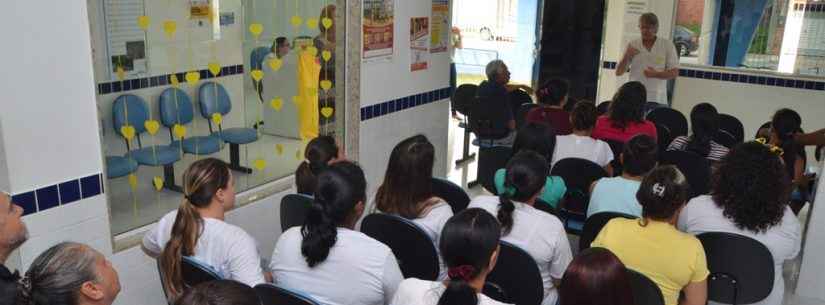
309	70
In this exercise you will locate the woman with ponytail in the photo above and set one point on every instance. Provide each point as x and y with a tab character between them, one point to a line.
553	98
197	230
469	245
785	125
319	153
326	258
539	233
704	123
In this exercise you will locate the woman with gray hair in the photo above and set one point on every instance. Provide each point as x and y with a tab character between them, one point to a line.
70	274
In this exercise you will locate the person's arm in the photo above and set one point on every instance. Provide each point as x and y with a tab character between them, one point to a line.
150	244
813	138
561	259
696	293
391	278
514	87
631	52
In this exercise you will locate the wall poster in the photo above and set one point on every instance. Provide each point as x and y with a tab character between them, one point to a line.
378	26
440	33
419	43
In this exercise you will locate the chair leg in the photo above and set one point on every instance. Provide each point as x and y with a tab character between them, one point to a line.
169	179
235	159
466	156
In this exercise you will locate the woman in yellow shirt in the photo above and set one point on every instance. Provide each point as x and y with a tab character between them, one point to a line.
653	246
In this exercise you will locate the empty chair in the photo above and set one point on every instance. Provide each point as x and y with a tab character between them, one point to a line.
521	114
176	110
462	101
645	291
294	209
455	196
215	100
731	131
672	119
195	272
117	166
416	253
274	295
490	159
695	168
594	224
517	276
578	175
741	268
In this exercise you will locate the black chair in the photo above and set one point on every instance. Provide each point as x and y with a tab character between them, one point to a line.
663	138
491	159
543	206
645	291
617	148
521	114
741	268
195	272
516	98
489	120
517	275
731	131
696	169
274	295
294	209
672	119
578	175
455	196
603	108
414	250
462	101
594	224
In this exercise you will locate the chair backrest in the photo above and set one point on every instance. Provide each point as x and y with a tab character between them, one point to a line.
175	107
455	196
294	210
162	282
517	275
696	169
674	120
414	250
663	137
731	131
275	295
131	110
463	98
490	159
257	57
741	268
645	291
516	98
195	272
543	206
594	224
213	98
617	148
488	120
521	114
578	175
603	108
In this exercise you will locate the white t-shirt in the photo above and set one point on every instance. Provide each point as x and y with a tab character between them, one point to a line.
573	146
783	240
662	56
540	234
228	249
432	223
413	291
358	270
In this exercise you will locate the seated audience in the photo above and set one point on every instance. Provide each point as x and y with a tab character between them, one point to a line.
70	274
319	153
653	246
626	116
539	233
540	139
704	123
785	124
326	258
493	94
13	234
220	292
197	229
469	245
618	194
749	197
595	277
407	189
553	97
579	144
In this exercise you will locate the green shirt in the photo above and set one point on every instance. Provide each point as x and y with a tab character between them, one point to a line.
554	188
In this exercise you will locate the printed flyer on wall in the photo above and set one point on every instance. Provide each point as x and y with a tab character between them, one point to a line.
419	43
440	32
378	21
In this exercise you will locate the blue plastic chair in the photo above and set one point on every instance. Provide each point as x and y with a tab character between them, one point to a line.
132	110
195	272
176	109
257	57
275	295
117	166
214	99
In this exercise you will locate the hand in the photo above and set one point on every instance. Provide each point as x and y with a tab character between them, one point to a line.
631	52
651	73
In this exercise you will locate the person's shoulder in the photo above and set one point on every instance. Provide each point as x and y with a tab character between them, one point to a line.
228	231
412	285
365	243
485	300
487	202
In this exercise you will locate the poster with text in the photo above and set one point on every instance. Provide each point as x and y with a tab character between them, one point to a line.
378	21
440	33
419	43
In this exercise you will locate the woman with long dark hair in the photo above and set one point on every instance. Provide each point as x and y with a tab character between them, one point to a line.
625	118
326	258
595	277
319	153
539	233
542	140
785	125
704	123
469	245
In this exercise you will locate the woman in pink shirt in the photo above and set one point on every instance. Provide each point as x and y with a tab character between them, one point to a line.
626	117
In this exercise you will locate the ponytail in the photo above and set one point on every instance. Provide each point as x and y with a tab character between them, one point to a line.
459	291
526	174
467	244
318	153
320	233
506	208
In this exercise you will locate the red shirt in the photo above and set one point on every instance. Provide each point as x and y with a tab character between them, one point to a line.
604	130
554	117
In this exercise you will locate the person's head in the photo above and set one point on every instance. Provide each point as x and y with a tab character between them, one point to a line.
553	92
319	153
628	105
13	232
640	155
207	184
595	277
220	292
497	72
526	174
70	274
281	46
752	187
469	246
328	12
704	122
663	193
339	202
784	124
583	117
408	179
536	137
648	25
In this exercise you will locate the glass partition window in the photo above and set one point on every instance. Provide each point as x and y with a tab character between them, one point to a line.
248	82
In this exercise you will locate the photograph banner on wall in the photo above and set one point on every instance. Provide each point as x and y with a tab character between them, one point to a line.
440	33
419	43
377	27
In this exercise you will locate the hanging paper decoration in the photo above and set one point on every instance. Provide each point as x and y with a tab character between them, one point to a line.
326	22
192	78
326	85
179	131
121	74
173	79
214	68
327	112
158	183
128	132
326	55
132	181
217	118
312	23
296	21
143	22
256	29
152	126
259	164
312	51
257	74
169	27
275	64
299	155
277	103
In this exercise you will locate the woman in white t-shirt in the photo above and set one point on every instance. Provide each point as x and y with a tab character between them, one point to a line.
539	233
407	189
197	229
469	245
579	144
326	258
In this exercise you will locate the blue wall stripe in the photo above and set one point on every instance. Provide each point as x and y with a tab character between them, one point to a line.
63	193
396	105
161	80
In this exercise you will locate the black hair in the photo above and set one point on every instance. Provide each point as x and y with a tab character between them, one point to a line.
540	138
584	116
704	122
662	193
279	42
468	239
553	92
526	174
785	124
340	188
640	155
628	105
220	292
318	153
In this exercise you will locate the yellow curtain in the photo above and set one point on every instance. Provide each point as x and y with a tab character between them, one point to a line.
309	69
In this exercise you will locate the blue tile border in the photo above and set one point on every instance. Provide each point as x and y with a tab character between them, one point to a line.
161	80
743	78
407	102
59	194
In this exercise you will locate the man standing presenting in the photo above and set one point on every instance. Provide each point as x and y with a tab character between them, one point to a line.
12	234
652	60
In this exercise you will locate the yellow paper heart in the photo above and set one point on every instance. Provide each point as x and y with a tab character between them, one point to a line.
256	29
192	78
143	22
179	131
128	132
326	22
132	181
152	126
299	155
173	79
120	73
277	103
326	55
312	23
279	149
217	118
257	74
259	164
158	183
275	64
214	68
170	27
327	112
296	21
312	51
326	85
